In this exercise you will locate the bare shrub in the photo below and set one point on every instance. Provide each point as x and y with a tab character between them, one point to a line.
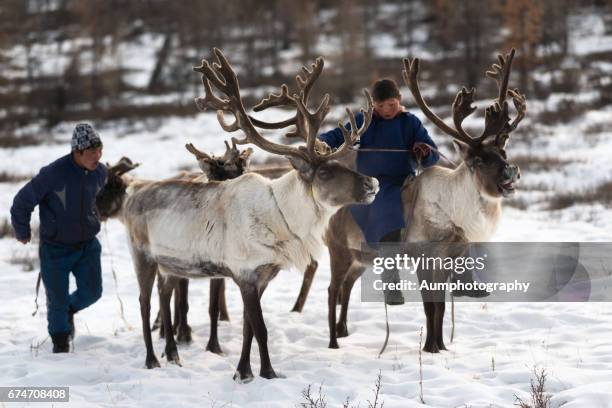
539	397
532	163
6	177
6	229
566	111
602	194
318	401
28	262
8	140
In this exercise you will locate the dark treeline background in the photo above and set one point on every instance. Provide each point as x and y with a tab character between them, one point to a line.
267	41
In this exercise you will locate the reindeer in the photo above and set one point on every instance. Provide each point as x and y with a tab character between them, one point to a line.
247	228
440	205
232	164
109	203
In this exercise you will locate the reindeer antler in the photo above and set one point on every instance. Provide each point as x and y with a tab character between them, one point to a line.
222	77
496	116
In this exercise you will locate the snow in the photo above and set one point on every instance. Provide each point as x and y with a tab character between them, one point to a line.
496	347
106	367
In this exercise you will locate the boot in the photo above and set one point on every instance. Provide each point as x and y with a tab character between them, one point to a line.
392	297
61	342
467	277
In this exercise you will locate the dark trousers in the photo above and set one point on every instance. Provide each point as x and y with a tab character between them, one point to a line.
56	263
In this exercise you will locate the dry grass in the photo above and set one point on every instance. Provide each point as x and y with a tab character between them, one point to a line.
566	111
601	194
529	163
6	177
28	262
9	140
6	229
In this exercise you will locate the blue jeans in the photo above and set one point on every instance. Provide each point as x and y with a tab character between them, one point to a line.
56	263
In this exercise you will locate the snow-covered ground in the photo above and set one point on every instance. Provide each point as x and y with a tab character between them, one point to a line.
496	347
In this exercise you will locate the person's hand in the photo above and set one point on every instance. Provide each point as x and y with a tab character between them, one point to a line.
24	240
421	150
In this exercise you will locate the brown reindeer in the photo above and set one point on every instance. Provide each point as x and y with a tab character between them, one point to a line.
440	205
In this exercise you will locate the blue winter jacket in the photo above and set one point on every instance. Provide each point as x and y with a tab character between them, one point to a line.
385	214
66	196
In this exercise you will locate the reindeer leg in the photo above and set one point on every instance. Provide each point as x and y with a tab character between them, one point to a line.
253	325
213	313
168	283
158	323
182	305
176	319
347	286
251	297
146	272
223	315
306	283
431	346
243	371
439	323
340	263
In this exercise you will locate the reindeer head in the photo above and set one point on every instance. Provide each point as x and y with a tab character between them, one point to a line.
111	196
485	155
331	182
232	164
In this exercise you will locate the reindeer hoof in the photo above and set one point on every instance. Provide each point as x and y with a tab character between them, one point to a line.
151	362
173	357
431	348
269	374
333	344
223	316
184	336
213	347
341	330
442	347
243	377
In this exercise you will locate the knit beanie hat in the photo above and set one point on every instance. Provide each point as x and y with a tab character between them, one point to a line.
84	137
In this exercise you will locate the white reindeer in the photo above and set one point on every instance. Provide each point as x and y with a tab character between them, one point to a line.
248	228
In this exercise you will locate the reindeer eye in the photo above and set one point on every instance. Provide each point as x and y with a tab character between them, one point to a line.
324	174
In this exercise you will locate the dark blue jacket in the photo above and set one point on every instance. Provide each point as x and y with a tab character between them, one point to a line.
385	214
66	196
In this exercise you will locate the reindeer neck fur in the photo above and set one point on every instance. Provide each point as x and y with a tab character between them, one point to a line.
305	216
471	209
455	198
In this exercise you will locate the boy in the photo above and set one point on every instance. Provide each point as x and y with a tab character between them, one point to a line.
65	191
392	127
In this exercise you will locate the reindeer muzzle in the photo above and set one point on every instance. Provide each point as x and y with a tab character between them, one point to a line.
511	175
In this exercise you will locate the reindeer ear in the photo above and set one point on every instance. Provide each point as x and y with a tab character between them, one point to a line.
207	166
462	149
245	156
302	166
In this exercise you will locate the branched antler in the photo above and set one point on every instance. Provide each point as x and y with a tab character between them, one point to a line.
496	116
221	76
